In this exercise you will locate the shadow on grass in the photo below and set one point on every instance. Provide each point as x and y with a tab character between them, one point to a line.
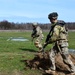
30	50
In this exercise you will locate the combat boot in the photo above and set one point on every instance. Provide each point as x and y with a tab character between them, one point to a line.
72	72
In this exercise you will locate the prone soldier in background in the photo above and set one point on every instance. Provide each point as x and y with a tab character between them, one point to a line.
58	36
38	35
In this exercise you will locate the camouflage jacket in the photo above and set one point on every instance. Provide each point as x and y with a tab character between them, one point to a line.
59	32
37	32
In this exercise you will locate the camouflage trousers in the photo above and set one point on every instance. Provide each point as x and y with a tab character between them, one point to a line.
64	53
38	42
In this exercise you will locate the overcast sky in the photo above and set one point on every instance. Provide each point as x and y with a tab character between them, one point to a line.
36	10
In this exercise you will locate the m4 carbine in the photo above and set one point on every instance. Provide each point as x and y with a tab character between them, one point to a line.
48	38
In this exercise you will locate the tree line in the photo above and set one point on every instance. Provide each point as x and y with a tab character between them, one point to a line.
5	25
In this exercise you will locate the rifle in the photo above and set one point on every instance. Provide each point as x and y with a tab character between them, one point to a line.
48	38
32	37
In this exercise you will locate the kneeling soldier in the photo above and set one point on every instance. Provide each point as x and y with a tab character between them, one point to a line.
38	35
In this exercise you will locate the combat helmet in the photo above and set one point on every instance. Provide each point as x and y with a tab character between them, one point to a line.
35	24
53	15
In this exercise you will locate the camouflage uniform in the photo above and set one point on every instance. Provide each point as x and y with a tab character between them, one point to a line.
61	45
38	35
59	39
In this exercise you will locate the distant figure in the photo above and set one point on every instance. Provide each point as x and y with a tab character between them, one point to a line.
58	36
38	35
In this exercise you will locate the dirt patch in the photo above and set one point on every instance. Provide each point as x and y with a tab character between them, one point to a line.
42	63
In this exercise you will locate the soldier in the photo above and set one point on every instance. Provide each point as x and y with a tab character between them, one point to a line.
38	35
58	36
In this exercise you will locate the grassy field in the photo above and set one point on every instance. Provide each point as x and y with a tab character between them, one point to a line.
13	52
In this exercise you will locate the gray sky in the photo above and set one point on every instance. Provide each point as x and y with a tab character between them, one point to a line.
36	10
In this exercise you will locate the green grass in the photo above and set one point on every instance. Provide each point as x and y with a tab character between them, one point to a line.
71	40
12	52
